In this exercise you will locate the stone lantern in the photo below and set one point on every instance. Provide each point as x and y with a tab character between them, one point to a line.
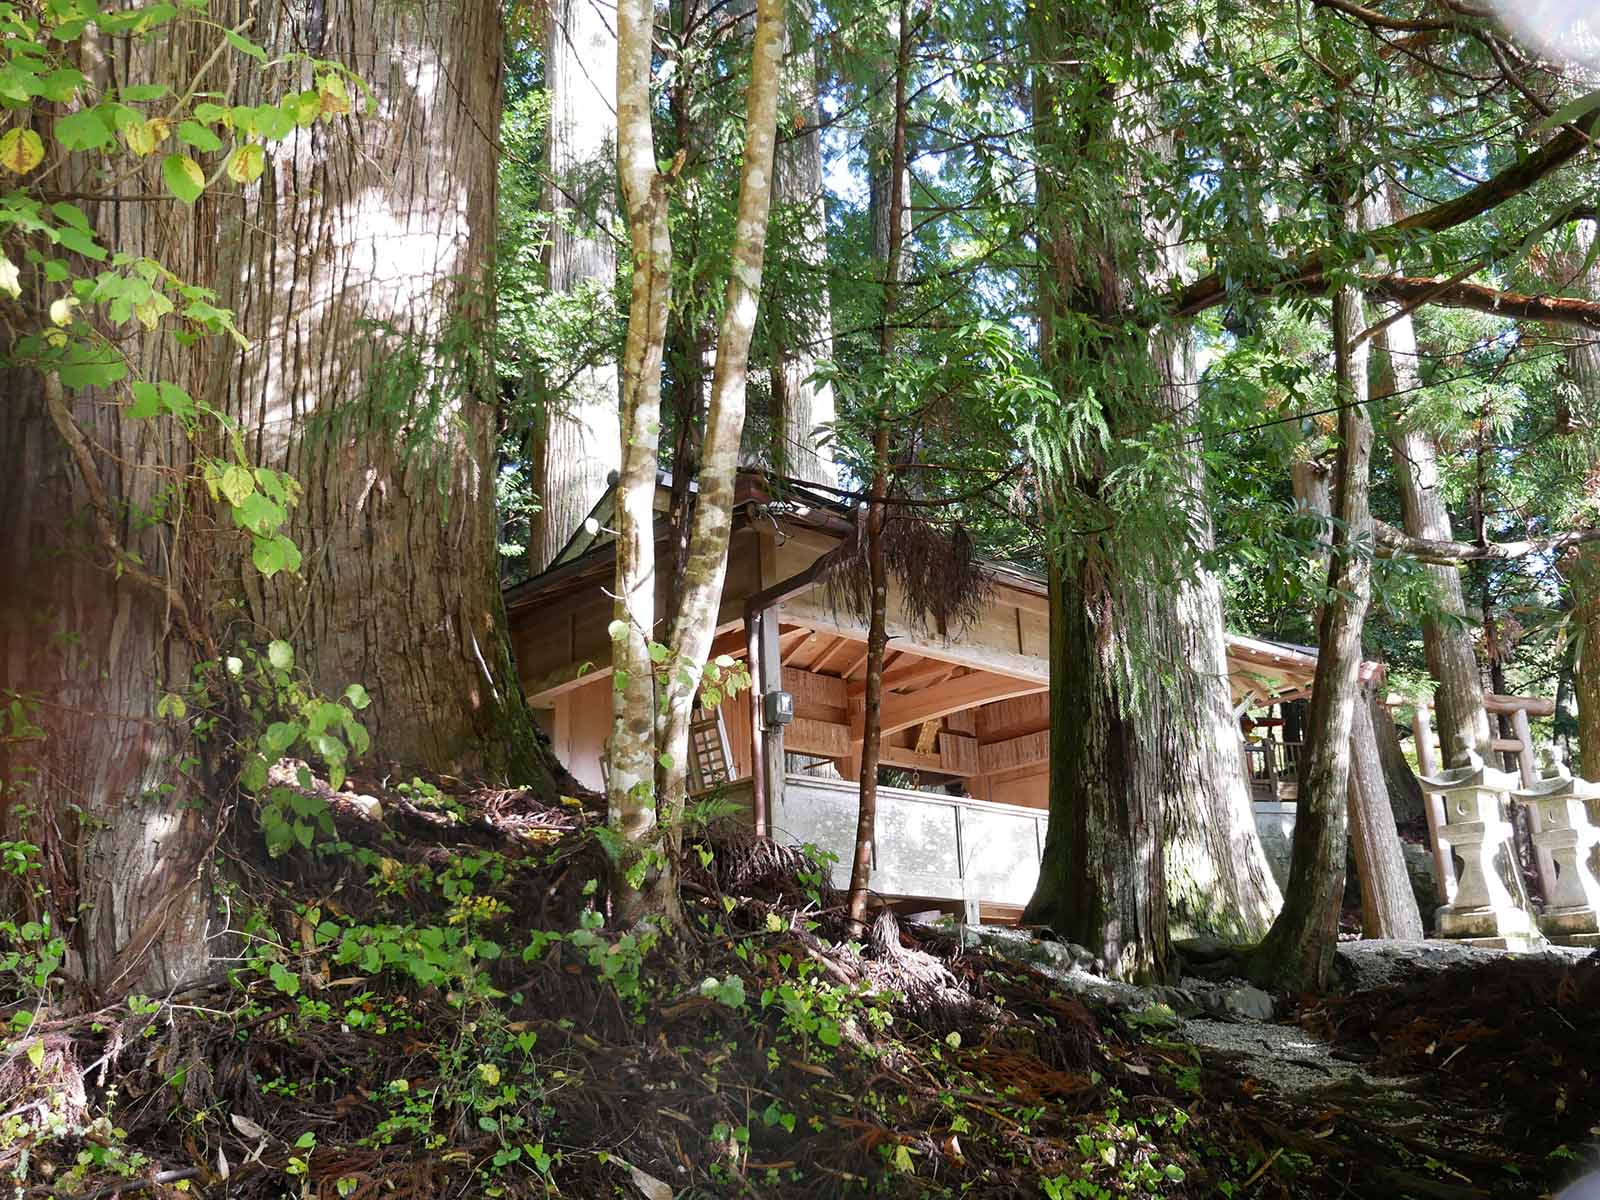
1563	806
1484	910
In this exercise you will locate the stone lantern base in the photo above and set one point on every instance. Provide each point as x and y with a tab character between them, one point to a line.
1497	927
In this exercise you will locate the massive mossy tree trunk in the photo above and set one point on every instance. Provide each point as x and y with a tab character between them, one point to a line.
1151	784
1218	881
579	441
355	264
1102	883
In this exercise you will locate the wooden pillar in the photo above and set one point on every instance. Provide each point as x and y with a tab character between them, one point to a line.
1444	867
760	804
771	736
1544	862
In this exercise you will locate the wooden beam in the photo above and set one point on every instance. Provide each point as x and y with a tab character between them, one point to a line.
959	753
1024	751
927	737
825	739
1534	706
918	673
814	692
932	764
788	641
827	656
902	712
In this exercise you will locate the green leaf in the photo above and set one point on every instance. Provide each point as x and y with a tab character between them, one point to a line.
244	45
254	776
357	696
280	654
146	401
81	242
183	176
192	133
36	1053
273	554
285	980
83	130
617	630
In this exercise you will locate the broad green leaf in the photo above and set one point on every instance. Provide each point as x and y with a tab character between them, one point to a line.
81	242
357	697
20	150
146	401
84	130
192	133
184	177
280	654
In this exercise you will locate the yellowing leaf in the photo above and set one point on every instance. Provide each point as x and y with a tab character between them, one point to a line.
334	99
20	151
490	1073
61	310
144	137
246	162
184	177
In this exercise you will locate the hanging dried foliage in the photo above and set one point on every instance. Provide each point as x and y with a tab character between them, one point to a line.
937	567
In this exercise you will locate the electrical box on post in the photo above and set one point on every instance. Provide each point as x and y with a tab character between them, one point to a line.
777	708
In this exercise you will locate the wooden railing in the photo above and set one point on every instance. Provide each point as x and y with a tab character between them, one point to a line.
1273	768
928	845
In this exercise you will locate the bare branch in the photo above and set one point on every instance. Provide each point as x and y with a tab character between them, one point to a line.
1394	543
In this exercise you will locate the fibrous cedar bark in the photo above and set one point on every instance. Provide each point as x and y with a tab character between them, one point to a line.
802	408
579	443
1446	635
1582	567
1388	905
1146	775
351	264
649	749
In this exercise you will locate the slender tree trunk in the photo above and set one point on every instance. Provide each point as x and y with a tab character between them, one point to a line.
1446	634
630	783
1388	905
580	441
650	745
803	410
1298	950
706	564
1400	781
352	264
1388	909
877	510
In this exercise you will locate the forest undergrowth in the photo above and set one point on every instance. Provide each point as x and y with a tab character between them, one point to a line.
428	1002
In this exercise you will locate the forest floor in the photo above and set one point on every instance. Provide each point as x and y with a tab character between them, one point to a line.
428	1003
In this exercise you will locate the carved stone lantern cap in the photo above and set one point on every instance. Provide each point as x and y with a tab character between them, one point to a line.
1471	772
1555	780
